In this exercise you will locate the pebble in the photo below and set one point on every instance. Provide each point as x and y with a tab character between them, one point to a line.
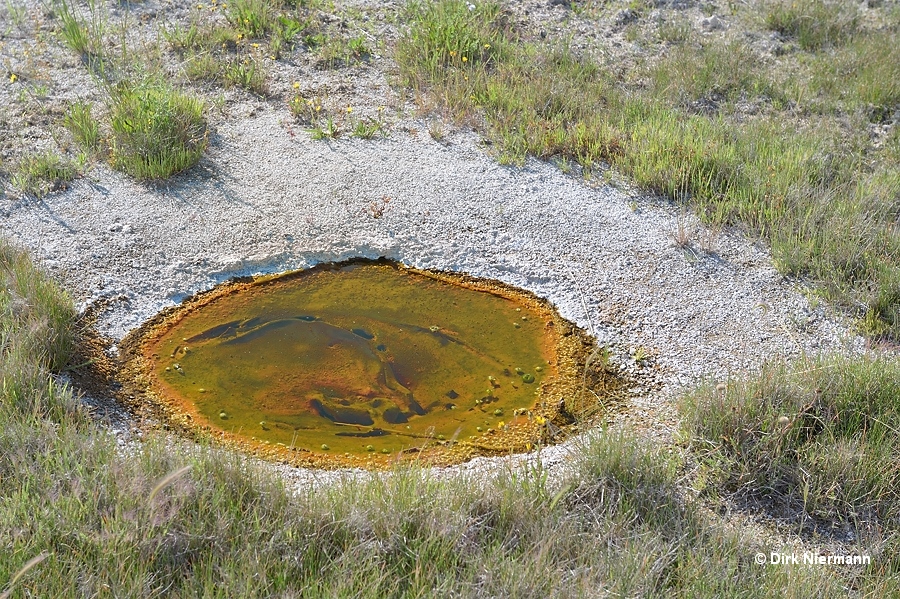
711	23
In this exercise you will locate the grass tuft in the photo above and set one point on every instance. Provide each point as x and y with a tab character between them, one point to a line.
82	126
157	131
248	73
253	18
40	174
447	34
674	31
83	35
814	24
822	435
367	128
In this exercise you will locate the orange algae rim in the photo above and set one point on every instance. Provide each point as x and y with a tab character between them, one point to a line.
560	398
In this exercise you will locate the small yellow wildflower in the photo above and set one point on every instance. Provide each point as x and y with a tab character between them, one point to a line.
464	59
255	45
540	420
200	6
296	85
13	77
452	53
501	425
349	109
487	46
318	108
272	56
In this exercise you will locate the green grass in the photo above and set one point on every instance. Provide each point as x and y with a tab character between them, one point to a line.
821	434
36	323
204	66
249	73
157	131
180	521
441	34
727	71
41	173
82	126
814	24
862	75
84	35
253	18
820	437
813	188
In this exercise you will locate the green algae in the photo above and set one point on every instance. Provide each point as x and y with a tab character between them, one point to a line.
359	359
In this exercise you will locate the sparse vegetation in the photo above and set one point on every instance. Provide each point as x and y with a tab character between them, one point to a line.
326	128
82	126
367	128
305	110
229	55
248	73
826	202
39	174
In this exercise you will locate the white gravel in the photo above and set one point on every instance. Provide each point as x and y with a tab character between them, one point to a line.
267	199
